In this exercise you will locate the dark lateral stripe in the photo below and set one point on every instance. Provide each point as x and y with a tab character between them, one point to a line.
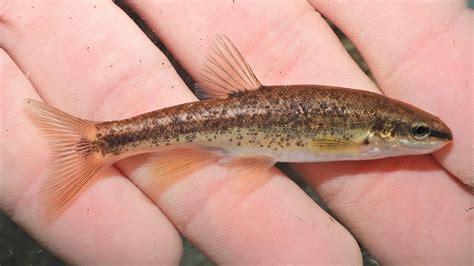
441	135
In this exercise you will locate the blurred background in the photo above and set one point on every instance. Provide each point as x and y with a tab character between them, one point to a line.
18	248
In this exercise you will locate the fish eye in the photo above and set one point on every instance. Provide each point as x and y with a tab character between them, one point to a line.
420	131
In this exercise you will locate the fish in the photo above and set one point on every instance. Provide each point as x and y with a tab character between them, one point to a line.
238	121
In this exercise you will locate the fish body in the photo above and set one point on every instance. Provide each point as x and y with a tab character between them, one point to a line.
299	123
239	118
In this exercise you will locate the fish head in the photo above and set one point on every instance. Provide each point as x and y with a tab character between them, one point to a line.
408	130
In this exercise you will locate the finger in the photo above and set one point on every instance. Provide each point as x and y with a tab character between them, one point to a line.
299	50
267	205
424	57
81	71
398	208
112	222
331	54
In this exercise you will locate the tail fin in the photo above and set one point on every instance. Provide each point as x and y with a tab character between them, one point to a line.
74	158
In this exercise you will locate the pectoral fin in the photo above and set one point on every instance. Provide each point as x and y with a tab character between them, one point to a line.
334	144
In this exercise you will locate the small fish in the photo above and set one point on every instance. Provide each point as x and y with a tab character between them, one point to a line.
241	122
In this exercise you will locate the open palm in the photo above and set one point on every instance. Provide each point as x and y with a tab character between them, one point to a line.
91	60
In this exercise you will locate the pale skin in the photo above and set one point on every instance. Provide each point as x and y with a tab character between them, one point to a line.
91	60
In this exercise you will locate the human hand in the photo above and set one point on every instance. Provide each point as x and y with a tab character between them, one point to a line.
90	60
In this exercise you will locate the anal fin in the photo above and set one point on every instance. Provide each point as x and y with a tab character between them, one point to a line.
168	167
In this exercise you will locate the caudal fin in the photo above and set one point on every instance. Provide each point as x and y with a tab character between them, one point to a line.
75	160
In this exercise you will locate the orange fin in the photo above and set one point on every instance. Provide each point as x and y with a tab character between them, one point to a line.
171	165
74	158
225	72
250	172
334	143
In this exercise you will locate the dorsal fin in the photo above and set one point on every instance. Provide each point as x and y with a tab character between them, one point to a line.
225	72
